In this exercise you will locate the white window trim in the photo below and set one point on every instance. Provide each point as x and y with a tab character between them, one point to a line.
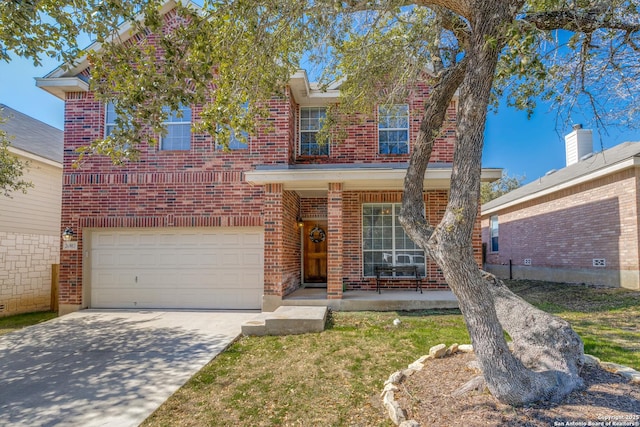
395	129
168	123
396	205
300	131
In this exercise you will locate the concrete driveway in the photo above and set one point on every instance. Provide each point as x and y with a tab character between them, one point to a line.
106	368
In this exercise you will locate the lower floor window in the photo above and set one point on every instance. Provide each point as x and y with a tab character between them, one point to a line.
384	241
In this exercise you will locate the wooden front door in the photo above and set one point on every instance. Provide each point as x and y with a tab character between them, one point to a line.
315	251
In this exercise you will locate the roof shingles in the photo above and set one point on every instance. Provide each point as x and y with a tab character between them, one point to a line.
32	135
583	168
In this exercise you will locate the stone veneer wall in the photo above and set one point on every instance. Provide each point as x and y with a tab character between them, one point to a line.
25	271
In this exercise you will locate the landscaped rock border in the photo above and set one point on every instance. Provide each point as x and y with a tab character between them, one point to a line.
399	416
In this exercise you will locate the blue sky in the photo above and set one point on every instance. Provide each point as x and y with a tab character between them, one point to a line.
523	147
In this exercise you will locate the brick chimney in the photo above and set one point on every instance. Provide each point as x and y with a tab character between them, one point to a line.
578	144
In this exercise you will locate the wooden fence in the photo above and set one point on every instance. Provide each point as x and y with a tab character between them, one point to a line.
55	277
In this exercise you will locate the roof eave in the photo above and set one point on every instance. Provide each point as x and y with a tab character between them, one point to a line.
59	86
35	157
617	167
355	179
305	95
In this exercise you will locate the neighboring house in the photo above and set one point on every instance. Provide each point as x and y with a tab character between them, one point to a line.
578	224
30	223
192	226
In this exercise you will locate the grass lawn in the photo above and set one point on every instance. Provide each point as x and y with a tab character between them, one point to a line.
334	378
19	321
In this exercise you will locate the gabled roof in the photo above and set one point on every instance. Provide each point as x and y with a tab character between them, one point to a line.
606	162
69	78
32	135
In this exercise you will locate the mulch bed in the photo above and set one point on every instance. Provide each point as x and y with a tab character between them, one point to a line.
607	400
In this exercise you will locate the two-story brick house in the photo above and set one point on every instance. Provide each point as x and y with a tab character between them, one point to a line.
192	226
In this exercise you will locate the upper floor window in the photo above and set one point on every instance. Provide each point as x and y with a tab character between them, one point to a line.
178	135
238	140
493	231
311	121
178	126
393	129
110	119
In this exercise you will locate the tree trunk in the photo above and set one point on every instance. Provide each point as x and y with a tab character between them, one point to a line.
547	353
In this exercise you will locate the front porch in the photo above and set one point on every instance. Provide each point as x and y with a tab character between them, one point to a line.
357	300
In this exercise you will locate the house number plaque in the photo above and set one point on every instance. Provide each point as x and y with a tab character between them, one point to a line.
70	246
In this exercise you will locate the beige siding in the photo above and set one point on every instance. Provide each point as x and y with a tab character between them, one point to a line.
30	241
38	211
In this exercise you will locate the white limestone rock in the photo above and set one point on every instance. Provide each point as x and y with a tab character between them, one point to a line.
453	349
465	348
424	358
408	372
389	387
417	366
396	377
438	351
396	413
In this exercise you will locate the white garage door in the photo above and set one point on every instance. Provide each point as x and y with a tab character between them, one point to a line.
203	268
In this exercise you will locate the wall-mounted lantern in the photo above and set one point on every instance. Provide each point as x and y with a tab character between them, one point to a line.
67	234
68	244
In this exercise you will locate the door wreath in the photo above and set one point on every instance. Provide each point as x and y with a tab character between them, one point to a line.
317	235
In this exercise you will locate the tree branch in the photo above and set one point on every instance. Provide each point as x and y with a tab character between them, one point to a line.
454	23
412	217
585	21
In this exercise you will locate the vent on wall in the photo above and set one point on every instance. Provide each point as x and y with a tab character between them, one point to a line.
599	262
1	308
527	261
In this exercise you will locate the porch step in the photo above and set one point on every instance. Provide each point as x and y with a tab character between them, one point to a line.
287	320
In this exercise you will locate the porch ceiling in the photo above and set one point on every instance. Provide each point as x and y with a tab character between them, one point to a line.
313	180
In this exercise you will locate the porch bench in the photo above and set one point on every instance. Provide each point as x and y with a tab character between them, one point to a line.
397	269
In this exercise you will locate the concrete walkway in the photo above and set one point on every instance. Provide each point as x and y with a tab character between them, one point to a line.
106	368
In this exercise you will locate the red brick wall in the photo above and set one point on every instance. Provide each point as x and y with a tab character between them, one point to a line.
291	246
435	203
361	141
335	242
197	187
204	187
313	208
570	228
273	239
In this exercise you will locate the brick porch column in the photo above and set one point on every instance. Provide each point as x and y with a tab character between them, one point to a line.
334	240
273	240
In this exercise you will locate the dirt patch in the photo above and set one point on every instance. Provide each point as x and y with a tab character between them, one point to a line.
607	400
